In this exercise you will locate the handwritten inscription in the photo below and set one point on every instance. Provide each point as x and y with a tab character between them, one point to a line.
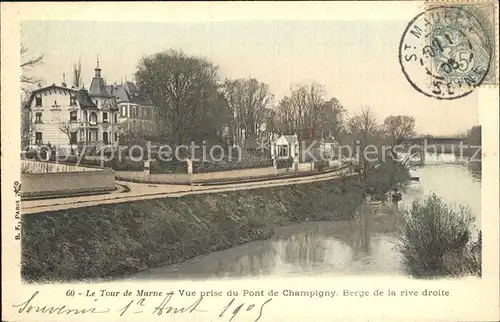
31	306
146	305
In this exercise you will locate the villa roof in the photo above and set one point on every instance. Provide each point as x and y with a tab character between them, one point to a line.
129	93
84	99
291	139
98	87
82	96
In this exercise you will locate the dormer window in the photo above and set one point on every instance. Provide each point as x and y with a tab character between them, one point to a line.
105	117
38	101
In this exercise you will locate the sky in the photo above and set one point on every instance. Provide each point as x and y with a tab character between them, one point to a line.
356	61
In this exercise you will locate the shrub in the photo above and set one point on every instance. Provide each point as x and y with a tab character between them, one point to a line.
284	163
199	167
435	238
385	177
173	166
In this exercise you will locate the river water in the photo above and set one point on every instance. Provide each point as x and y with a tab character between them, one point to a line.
341	248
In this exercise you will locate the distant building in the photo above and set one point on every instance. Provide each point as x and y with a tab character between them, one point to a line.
137	112
285	147
66	117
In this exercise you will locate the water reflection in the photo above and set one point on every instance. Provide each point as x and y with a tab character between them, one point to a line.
344	247
361	247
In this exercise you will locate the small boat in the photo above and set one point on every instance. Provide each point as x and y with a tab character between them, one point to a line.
415	178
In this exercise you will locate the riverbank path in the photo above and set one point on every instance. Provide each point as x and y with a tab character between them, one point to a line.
144	191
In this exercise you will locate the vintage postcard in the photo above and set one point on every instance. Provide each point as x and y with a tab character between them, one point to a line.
250	161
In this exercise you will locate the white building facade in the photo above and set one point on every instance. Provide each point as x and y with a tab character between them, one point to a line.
67	118
285	147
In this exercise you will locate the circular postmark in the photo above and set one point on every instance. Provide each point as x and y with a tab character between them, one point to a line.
445	52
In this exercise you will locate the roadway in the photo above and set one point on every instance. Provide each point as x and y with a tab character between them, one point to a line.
144	191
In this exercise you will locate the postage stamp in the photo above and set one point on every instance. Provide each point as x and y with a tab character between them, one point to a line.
250	161
448	51
483	12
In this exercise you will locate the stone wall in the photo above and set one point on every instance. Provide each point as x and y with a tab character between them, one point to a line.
67	183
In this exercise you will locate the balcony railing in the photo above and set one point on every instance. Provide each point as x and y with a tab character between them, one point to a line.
88	124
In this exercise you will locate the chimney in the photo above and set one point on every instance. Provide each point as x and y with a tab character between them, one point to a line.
64	81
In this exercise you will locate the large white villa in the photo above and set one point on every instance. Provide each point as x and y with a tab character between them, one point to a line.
65	117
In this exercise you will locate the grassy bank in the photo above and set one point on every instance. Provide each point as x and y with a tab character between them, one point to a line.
114	240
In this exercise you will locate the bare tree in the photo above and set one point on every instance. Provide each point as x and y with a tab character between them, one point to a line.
67	129
332	118
77	74
248	101
306	108
287	117
399	127
363	127
314	105
28	124
27	64
298	105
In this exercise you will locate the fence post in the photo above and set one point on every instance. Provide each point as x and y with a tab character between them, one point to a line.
189	166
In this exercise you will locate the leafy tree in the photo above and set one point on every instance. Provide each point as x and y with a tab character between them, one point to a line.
474	135
185	89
